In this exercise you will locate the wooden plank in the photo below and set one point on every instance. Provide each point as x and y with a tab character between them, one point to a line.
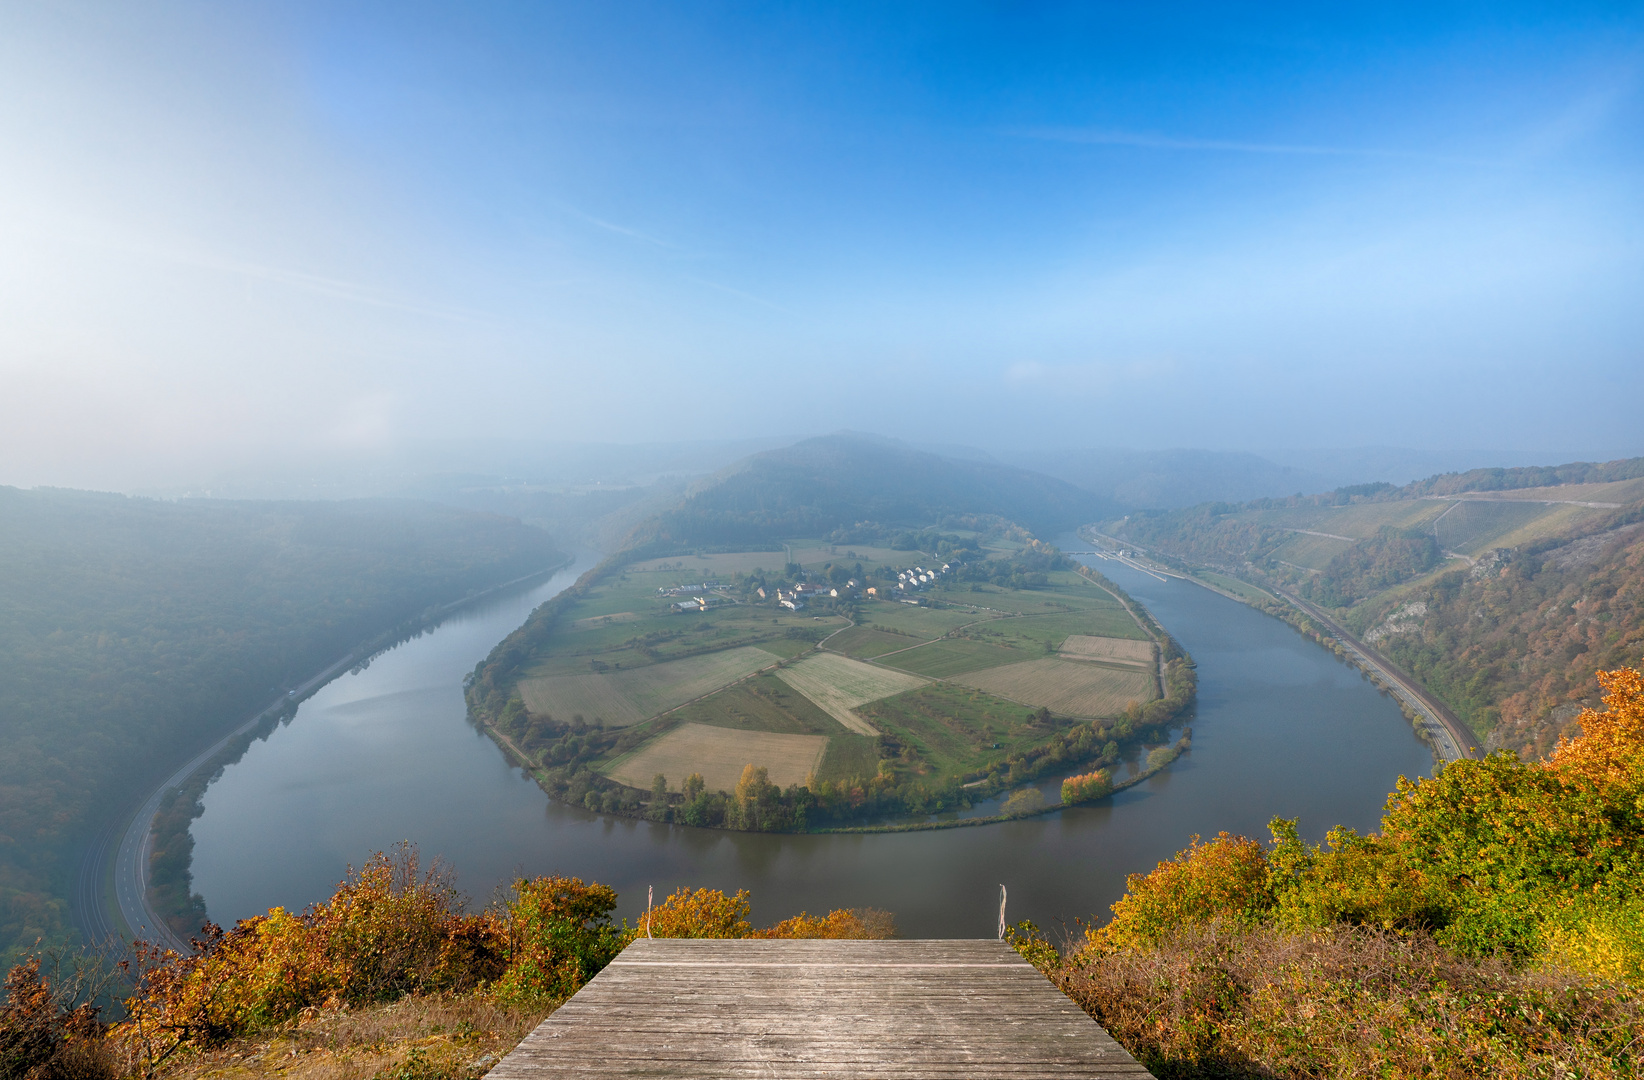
811	1010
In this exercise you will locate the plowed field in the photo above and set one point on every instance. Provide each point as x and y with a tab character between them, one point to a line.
720	754
621	698
839	684
1109	650
1064	686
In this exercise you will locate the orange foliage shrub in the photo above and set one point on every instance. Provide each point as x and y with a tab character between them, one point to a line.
1225	880
858	924
1087	787
388	930
1611	747
709	913
704	913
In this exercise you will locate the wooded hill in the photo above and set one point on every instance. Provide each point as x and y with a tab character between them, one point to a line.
825	484
1501	590
133	632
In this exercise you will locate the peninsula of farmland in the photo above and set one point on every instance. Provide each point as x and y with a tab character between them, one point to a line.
844	670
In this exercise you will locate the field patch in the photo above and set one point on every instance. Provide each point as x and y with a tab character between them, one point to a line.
1064	686
953	656
605	620
864	642
1108	650
621	698
720	754
696	567
838	684
762	703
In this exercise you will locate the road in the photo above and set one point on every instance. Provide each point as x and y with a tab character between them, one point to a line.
1445	732
131	861
1449	737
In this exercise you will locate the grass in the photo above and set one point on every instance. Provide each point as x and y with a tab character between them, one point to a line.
763	703
1234	586
1470	527
719	754
421	1038
921	622
1043	634
1313	552
1069	687
817	554
838	684
864	643
949	657
849	757
622	698
689	569
950	730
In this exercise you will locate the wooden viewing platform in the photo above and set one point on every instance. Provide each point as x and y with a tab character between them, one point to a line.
815	1009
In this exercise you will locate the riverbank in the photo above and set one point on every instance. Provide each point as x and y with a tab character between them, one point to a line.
131	888
1445	735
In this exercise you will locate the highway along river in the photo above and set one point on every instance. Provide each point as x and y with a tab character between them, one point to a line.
1282	728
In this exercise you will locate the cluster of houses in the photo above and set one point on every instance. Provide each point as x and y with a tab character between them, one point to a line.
919	578
794	599
683	590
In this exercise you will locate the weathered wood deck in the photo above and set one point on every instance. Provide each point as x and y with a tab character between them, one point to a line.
816	1009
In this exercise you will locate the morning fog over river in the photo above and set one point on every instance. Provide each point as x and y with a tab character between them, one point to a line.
1282	727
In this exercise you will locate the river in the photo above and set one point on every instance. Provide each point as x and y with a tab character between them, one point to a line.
386	754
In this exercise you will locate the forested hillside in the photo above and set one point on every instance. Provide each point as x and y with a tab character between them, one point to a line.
1501	590
134	631
1512	642
833	482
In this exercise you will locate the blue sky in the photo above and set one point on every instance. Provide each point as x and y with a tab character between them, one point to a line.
228	231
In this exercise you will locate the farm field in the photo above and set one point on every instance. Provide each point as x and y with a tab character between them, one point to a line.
1044	634
1110	650
622	698
922	623
1070	687
950	730
762	703
838	684
864	643
953	656
719	754
620	654
812	554
1310	552
696	567
605	620
1234	586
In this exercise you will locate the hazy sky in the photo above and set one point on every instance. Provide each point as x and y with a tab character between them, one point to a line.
232	230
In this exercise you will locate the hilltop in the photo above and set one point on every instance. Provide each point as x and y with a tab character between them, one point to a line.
1501	590
837	484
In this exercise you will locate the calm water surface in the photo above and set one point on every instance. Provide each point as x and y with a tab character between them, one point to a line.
1282	728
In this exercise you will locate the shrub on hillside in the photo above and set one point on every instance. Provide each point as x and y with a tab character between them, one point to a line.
1345	1002
709	913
